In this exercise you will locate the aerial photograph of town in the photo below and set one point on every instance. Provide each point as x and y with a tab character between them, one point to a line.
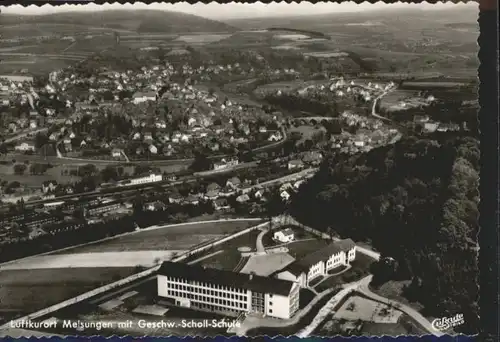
239	169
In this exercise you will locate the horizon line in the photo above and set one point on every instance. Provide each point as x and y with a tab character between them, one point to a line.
232	10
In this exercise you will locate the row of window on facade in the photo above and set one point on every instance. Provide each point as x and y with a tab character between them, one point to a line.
211	307
206	299
209	289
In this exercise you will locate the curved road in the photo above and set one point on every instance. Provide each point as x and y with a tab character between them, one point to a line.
364	289
376	100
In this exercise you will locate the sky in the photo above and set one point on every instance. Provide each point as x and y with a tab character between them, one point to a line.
215	10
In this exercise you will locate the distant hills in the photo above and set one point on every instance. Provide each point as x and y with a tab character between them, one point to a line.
140	21
419	17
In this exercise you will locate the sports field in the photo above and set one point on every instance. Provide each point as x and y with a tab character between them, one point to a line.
174	237
92	260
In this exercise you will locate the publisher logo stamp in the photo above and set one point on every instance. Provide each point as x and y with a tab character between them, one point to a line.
445	323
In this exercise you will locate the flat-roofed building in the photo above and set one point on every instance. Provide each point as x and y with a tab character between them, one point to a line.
226	292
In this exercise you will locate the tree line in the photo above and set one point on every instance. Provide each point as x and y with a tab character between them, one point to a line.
415	202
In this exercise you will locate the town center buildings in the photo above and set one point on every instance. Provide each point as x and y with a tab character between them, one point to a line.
227	292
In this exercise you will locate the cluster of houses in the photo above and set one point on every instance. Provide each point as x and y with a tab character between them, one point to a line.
208	119
339	88
430	126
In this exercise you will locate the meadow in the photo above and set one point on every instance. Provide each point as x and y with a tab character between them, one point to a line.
25	291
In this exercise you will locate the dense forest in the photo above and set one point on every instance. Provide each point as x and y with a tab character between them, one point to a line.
415	202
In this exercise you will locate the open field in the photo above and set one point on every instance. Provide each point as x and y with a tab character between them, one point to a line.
35	181
181	237
36	65
299	249
25	291
430	85
231	256
307	131
90	260
393	100
202	38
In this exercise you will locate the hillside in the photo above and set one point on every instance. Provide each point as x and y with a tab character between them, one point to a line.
416	202
142	21
463	14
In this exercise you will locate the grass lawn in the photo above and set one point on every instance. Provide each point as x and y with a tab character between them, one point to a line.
299	249
305	297
294	328
315	281
26	291
307	131
231	256
332	281
176	238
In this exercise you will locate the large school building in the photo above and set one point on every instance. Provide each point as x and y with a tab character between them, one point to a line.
227	292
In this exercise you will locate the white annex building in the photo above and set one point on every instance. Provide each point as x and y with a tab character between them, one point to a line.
320	262
226	292
284	236
150	178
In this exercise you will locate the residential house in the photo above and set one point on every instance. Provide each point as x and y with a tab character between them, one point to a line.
243	198
175	198
48	186
153	149
285	195
284	236
213	187
212	195
116	153
312	157
259	194
141	97
421	118
297	184
154	206
233	182
295	164
276	136
286	186
221	204
192	199
430	127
